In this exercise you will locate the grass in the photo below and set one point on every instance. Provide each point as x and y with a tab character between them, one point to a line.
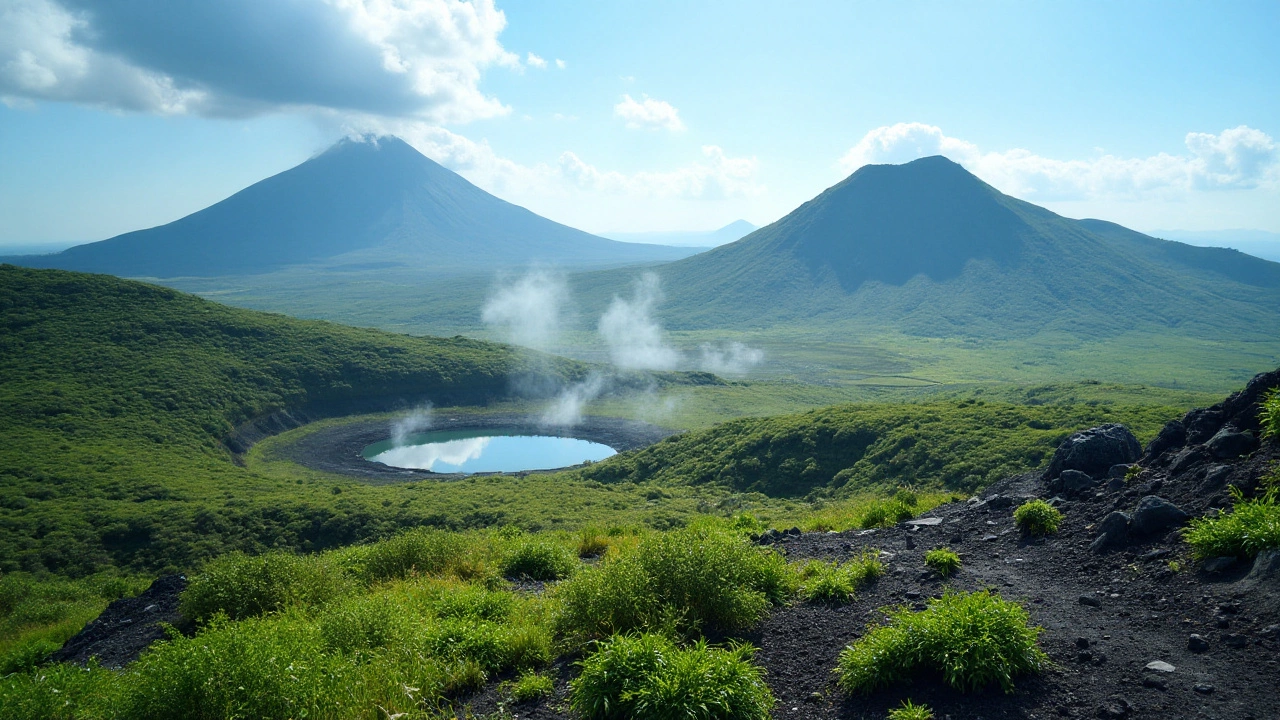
1269	415
943	561
539	559
647	677
870	510
706	575
1253	525
972	640
1037	517
530	686
837	582
910	711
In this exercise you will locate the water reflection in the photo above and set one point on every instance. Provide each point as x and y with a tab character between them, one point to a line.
484	451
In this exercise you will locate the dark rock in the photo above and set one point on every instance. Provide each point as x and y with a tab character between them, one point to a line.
1271	632
1230	443
1219	564
1113	531
1187	459
1120	470
1202	424
1153	682
1266	567
990	538
793	531
814	698
1084	656
1171	437
1155	514
1072	482
1203	688
1082	643
1156	555
1115	485
911	544
1094	451
1197	643
1234	641
127	626
999	502
1215	476
1090	600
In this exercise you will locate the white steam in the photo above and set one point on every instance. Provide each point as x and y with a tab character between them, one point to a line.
529	311
416	421
634	338
566	409
733	358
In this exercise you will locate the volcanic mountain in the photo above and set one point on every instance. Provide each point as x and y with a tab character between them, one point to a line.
358	205
928	248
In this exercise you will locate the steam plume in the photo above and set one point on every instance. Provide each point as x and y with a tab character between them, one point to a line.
634	338
528	311
416	421
733	358
566	409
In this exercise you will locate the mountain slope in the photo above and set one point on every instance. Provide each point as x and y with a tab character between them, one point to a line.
357	204
927	248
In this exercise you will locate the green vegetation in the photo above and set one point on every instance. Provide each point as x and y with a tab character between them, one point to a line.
529	686
943	561
693	578
910	711
836	581
1037	517
1253	525
647	677
539	559
971	639
1269	415
866	511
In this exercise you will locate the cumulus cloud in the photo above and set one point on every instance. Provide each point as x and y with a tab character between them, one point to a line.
648	114
535	61
720	176
1238	158
561	64
417	58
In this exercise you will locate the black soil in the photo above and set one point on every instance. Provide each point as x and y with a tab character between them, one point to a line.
128	626
338	449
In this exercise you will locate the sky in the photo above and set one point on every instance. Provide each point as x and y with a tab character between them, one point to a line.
636	116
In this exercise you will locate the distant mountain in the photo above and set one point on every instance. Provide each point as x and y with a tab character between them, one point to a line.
693	238
360	205
927	248
1258	243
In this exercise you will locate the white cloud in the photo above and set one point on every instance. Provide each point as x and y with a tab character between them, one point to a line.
561	64
416	58
1241	157
719	177
535	61
648	114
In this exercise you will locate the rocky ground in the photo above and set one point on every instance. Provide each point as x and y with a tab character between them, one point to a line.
1134	626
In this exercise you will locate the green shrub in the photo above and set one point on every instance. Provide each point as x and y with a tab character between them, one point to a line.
703	575
530	686
243	586
971	639
362	623
1269	415
646	677
943	561
1037	517
539	559
60	691
910	711
884	513
418	552
1251	527
906	497
838	582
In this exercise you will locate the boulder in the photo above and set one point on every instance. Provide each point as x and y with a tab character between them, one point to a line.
1113	531
1202	424
1094	451
1186	459
1071	482
1171	437
1155	515
1266	567
1230	443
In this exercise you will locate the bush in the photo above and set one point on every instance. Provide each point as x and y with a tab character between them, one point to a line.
243	586
943	561
1269	415
647	677
972	639
530	686
884	513
703	575
910	711
1251	527
419	552
836	582
538	559
1037	517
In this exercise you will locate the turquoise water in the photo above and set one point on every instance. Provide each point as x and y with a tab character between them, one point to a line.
471	451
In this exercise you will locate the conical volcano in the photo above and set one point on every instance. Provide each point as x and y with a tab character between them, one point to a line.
360	203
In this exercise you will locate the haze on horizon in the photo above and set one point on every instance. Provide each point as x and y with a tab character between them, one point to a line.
648	118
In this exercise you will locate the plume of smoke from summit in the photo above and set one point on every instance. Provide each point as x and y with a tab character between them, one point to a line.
635	340
529	311
416	421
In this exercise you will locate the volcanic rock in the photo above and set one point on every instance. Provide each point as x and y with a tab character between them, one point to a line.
1095	450
1155	514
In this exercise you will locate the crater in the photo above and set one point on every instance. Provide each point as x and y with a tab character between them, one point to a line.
494	451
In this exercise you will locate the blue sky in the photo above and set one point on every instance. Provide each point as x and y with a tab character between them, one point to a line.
638	116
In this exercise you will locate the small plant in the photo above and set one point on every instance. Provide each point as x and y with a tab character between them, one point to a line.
537	559
838	582
530	686
592	542
1269	415
1251	527
1132	473
1037	517
910	711
646	676
971	639
943	561
1175	566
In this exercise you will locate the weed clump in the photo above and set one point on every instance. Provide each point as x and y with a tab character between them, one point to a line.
420	552
910	711
703	575
1269	415
647	677
943	561
242	586
838	582
971	639
1251	527
1037	517
530	686
538	559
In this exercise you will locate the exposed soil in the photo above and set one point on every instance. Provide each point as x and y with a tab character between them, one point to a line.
128	626
338	449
